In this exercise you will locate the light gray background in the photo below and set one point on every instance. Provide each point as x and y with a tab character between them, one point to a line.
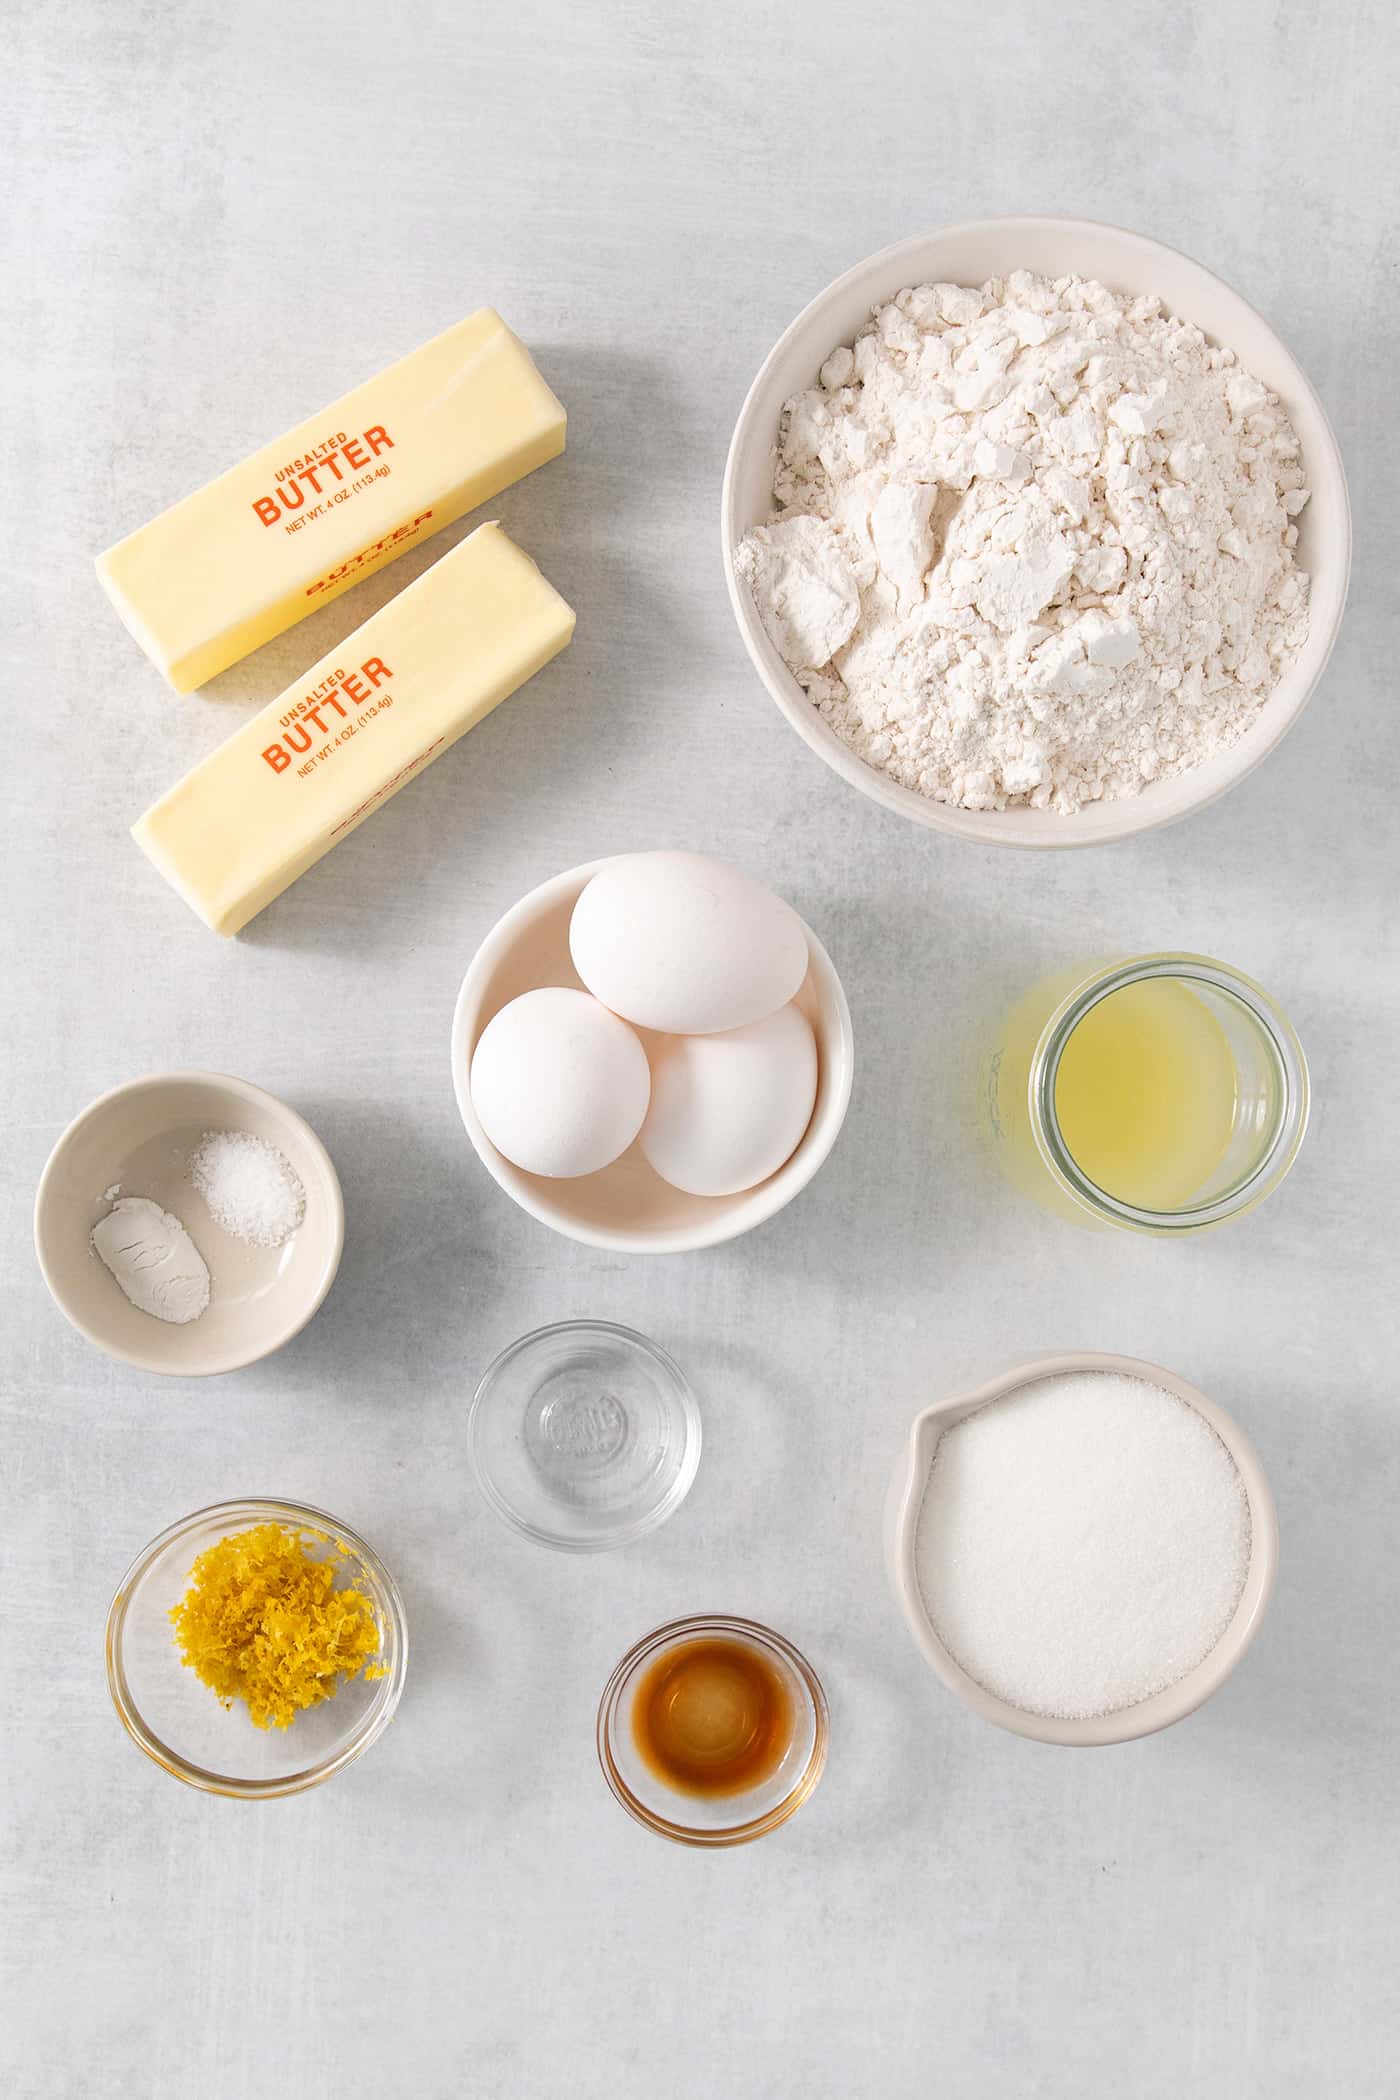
223	216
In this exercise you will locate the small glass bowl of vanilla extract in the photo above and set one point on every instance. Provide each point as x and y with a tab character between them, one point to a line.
712	1731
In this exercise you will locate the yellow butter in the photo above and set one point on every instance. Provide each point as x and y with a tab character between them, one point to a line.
387	701
334	500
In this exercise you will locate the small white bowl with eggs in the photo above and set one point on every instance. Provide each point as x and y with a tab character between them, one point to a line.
765	1052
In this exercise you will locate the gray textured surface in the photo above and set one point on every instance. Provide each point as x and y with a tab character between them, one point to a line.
225	216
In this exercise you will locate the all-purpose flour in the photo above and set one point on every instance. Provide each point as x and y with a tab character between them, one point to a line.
1034	544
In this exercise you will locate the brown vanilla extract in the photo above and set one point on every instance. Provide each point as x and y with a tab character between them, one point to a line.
712	1716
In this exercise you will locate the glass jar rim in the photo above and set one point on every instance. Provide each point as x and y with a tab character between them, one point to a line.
1290	1069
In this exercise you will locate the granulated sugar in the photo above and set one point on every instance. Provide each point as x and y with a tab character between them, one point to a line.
1082	1543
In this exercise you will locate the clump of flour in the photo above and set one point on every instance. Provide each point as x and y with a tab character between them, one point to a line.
1034	545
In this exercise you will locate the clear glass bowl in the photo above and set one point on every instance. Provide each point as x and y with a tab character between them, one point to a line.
180	1722
728	1819
584	1435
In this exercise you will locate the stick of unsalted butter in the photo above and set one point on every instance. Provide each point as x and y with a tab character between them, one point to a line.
293	782
376	473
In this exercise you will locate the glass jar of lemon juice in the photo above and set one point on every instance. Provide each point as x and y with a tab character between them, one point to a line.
1162	1093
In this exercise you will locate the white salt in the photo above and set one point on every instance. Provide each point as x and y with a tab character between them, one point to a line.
1082	1543
249	1187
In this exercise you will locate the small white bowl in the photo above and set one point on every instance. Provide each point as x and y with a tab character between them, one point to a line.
970	254
139	1137
901	1525
628	1207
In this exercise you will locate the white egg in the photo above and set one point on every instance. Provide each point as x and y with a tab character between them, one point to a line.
686	944
560	1084
728	1109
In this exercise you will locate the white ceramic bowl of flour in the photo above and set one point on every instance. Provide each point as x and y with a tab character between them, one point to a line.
969	254
1160	1709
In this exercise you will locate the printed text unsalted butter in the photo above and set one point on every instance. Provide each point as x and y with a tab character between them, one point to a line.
291	783
291	528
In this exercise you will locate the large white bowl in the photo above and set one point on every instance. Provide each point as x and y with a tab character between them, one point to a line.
628	1207
970	254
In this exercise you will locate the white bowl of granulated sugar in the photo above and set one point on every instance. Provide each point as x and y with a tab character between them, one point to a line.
1082	1548
1046	569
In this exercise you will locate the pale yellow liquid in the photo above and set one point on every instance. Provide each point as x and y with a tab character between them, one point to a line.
1145	1094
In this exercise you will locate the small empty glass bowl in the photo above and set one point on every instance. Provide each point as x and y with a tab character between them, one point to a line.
180	1722
584	1435
715	1819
